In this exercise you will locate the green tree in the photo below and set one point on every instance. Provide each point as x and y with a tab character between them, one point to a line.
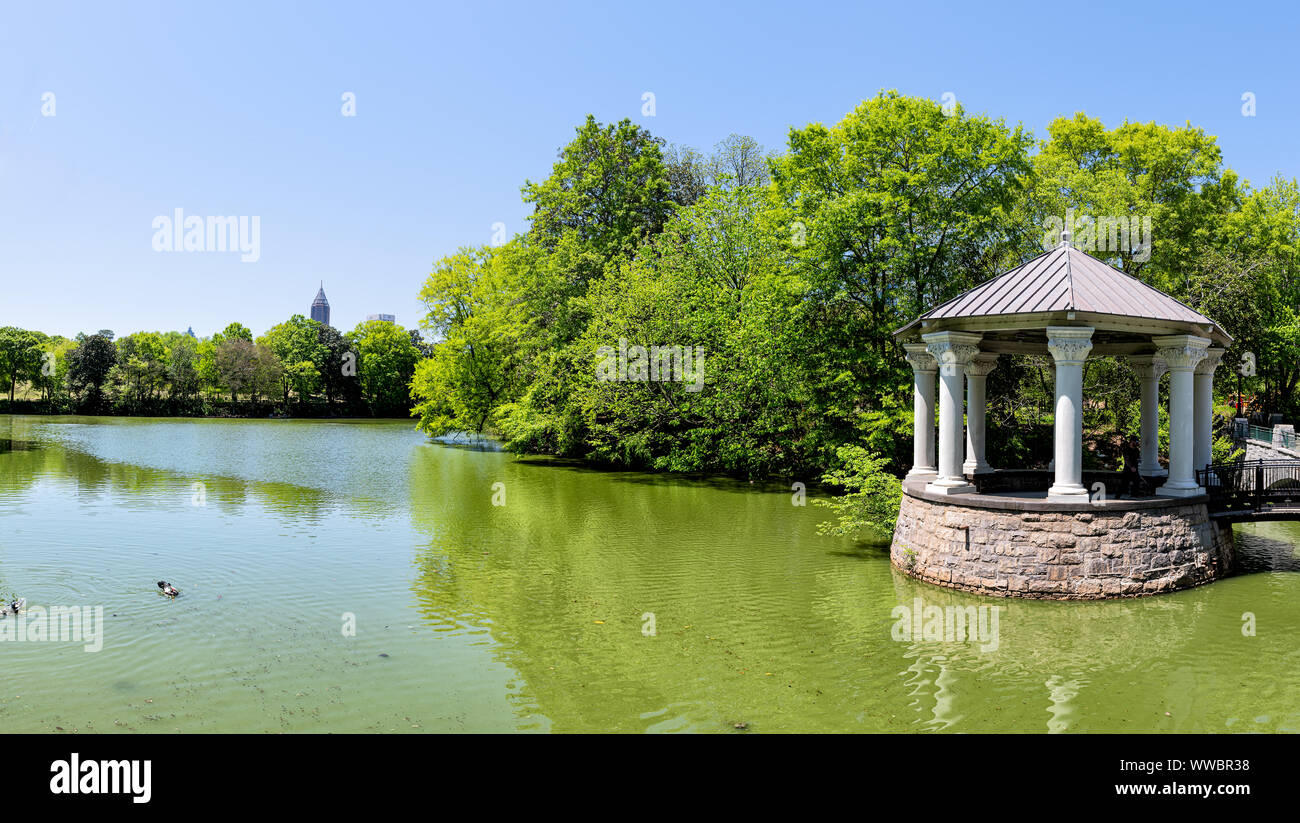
386	363
296	342
206	365
715	285
338	377
1173	176
90	364
52	376
898	207
736	161
608	190
873	497
739	161
182	365
141	369
236	364
236	331
608	193
20	356
267	373
478	312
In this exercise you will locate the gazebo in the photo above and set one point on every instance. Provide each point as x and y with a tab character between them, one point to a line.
1072	306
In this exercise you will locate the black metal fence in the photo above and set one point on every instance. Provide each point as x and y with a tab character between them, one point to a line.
1252	486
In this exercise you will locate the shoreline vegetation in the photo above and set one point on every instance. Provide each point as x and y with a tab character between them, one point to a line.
786	270
299	368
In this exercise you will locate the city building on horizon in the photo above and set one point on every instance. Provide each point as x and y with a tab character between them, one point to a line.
320	307
383	318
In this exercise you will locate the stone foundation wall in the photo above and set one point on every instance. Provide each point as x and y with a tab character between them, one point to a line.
1070	555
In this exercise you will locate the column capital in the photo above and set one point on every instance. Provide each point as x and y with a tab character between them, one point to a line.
981	364
1211	361
919	357
1148	366
952	349
1181	351
1069	345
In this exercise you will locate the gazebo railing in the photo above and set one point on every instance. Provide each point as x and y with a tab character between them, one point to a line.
1113	484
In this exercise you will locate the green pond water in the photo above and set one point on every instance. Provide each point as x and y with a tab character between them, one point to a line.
535	615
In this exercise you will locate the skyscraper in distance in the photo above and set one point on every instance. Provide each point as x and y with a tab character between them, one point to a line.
320	307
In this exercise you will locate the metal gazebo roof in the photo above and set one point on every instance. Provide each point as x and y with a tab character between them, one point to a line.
1060	287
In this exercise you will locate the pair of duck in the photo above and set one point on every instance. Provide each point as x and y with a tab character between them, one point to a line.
18	605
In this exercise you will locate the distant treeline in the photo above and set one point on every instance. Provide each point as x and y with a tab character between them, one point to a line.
299	367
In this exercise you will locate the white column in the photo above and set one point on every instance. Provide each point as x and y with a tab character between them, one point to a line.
1069	346
977	372
953	350
924	368
1203	404
1182	352
1149	368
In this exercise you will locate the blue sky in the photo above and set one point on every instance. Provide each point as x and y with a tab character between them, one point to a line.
235	109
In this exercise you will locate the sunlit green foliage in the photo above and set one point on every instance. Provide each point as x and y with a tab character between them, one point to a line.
871	504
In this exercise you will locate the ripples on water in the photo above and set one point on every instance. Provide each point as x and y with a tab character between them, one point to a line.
535	615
